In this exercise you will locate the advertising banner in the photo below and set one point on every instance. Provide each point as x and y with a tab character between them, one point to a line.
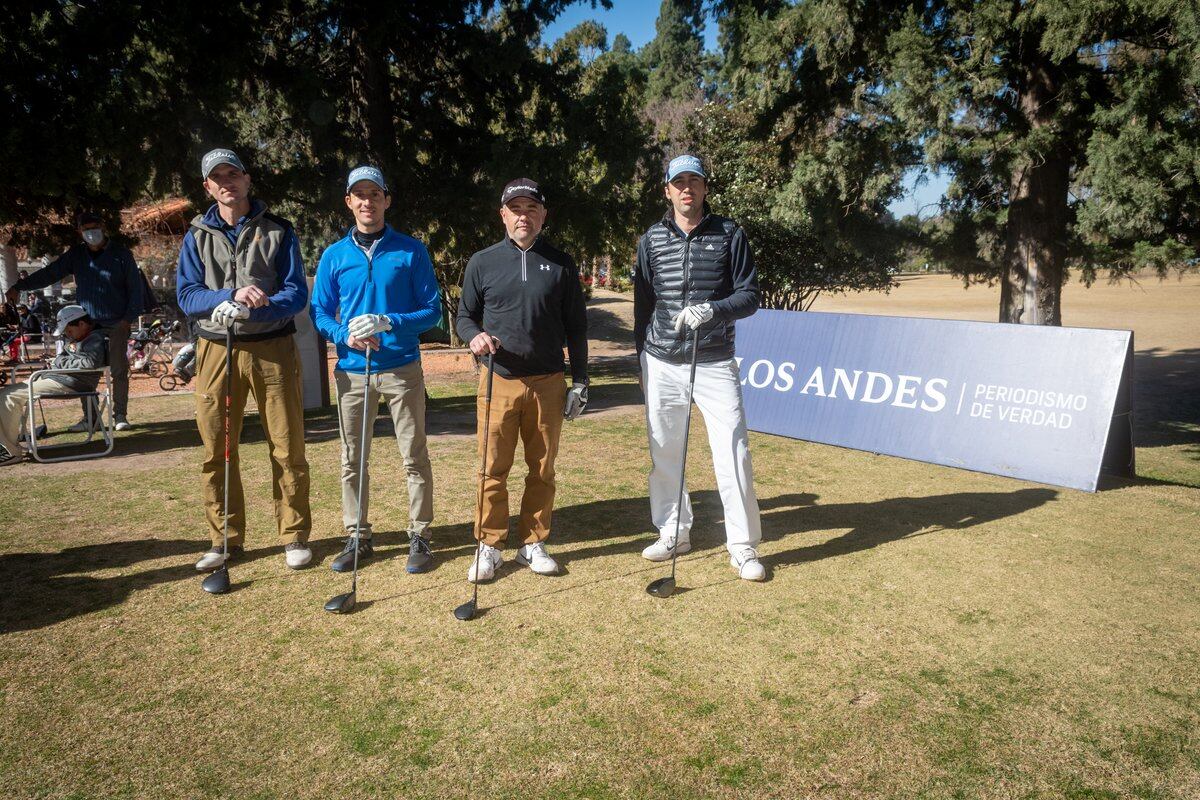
1024	401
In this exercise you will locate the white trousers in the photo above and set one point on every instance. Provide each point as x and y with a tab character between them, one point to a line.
718	395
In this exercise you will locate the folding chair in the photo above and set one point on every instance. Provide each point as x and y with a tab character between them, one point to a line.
97	410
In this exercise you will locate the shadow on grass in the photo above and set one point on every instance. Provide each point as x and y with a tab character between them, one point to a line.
874	523
42	589
1166	399
784	517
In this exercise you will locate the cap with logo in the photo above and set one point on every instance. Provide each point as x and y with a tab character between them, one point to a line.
215	158
372	174
67	315
522	187
685	163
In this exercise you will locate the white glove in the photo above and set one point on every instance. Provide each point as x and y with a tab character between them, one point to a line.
365	325
693	317
576	400
227	312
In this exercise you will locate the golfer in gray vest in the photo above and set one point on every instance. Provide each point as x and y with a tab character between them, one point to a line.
694	277
240	271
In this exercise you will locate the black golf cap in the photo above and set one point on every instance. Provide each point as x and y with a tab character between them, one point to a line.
522	187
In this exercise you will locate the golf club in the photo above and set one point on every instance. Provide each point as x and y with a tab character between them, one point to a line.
344	603
467	610
218	581
665	587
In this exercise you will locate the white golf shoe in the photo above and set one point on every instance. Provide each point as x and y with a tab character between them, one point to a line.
214	558
297	555
537	559
483	568
745	561
664	548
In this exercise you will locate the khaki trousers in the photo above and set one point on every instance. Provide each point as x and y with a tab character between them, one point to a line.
270	370
530	408
13	400
404	389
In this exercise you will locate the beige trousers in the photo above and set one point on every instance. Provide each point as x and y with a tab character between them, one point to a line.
403	388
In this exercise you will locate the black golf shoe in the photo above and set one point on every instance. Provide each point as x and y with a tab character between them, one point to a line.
345	560
420	559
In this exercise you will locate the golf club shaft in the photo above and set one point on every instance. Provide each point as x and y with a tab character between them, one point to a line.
687	425
228	405
362	464
487	419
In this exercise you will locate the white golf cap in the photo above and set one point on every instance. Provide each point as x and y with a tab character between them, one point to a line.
67	315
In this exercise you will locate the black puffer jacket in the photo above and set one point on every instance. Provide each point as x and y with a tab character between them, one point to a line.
713	264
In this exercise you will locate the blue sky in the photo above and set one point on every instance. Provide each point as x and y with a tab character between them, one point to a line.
636	20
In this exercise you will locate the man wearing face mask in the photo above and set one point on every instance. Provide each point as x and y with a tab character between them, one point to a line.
694	277
108	284
240	272
376	288
521	300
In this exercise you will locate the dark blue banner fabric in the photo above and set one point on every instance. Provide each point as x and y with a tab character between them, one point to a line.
1024	401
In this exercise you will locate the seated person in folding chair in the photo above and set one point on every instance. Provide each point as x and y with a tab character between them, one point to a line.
87	348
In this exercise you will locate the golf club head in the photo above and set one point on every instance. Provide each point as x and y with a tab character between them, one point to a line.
663	587
217	582
342	603
466	611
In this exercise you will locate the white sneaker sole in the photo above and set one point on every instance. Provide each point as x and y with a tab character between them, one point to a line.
297	564
683	548
524	562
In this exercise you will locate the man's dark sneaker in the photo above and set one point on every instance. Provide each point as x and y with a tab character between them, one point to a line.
420	559
345	560
215	557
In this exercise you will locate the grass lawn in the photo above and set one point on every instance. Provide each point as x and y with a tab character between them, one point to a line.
925	632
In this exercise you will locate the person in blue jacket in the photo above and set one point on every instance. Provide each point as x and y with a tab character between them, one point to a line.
376	288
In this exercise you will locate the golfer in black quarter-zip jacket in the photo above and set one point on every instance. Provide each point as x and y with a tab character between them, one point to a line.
521	301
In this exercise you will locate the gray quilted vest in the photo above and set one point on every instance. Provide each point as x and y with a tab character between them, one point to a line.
251	261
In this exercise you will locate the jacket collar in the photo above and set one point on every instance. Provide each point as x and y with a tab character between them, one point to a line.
212	217
536	243
668	221
388	234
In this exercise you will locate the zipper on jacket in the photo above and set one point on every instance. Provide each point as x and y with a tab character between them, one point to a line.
522	265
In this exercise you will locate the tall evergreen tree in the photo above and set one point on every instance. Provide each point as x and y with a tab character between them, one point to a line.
1070	128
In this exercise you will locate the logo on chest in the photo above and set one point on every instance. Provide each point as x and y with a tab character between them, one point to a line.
544	267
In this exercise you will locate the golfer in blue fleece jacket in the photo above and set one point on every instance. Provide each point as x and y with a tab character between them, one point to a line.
376	288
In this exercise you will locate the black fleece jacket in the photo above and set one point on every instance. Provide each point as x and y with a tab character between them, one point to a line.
532	302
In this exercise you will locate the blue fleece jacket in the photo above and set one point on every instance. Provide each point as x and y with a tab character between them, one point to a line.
397	280
198	300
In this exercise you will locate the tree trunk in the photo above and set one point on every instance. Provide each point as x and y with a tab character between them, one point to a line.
1036	233
371	88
